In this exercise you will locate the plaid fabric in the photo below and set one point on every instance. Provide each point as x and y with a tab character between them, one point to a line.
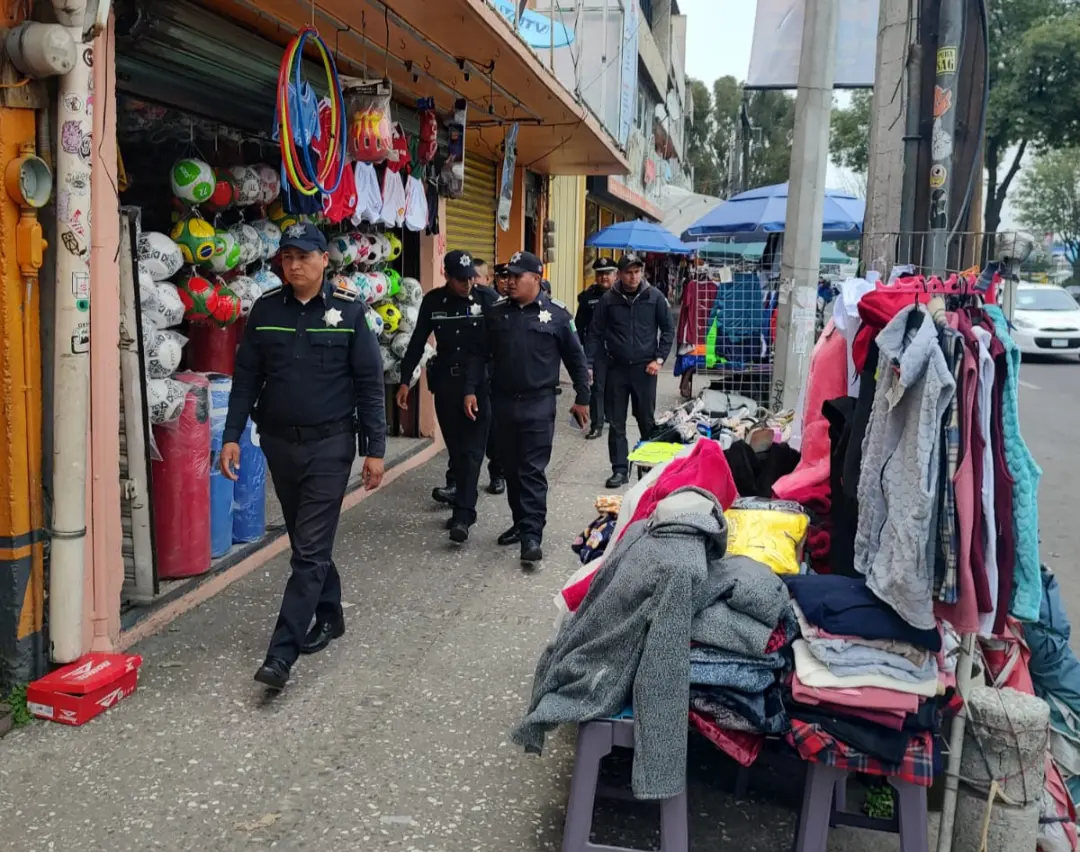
814	744
946	580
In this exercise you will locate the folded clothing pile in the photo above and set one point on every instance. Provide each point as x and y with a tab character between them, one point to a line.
868	689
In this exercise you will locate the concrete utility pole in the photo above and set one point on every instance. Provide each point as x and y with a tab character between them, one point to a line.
806	199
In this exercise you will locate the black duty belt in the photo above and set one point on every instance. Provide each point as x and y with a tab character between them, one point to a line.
500	396
308	434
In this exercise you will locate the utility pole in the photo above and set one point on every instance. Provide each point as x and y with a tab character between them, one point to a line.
805	205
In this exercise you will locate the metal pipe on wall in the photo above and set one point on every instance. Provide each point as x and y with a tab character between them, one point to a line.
71	366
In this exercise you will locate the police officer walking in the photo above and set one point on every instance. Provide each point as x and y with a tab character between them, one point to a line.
528	333
633	330
309	372
454	313
604	269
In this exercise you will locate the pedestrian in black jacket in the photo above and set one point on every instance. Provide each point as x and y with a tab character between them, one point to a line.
632	332
604	268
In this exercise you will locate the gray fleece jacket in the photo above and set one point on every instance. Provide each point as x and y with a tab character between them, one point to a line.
900	467
631	638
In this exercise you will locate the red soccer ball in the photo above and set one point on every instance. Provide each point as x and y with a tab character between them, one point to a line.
226	308
224	195
199	298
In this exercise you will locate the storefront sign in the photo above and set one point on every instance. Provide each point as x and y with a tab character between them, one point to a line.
628	74
774	55
537	30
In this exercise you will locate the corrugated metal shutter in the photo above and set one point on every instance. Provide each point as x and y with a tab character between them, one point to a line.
470	220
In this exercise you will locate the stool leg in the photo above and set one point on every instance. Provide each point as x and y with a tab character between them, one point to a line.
817	803
674	828
914	831
593	745
840	795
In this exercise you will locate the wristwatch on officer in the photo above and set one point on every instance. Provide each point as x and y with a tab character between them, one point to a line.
659	362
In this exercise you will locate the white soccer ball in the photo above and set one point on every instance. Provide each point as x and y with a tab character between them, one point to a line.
162	307
247	291
192	180
159	255
266	279
165	400
162	350
375	323
248	185
269	236
342	251
251	244
410	292
269	183
398	344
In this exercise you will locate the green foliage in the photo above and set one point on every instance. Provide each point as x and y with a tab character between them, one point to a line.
879	802
699	141
1048	199
849	141
16	700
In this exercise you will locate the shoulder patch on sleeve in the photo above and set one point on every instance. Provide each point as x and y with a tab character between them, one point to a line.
559	304
273	291
502	300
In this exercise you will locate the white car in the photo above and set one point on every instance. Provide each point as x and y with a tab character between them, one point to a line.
1046	320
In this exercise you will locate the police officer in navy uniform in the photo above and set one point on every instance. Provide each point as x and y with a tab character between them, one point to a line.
604	269
528	334
309	372
633	330
454	313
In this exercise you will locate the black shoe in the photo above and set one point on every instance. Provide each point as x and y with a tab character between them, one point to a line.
530	551
444	495
617	480
459	531
497	485
594	433
321	635
511	536
450	522
274	673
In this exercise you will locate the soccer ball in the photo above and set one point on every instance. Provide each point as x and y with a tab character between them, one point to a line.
365	248
247	291
192	180
380	287
269	235
412	314
162	306
162	350
224	195
395	247
248	185
399	343
391	316
251	244
199	298
342	251
269	182
165	400
266	279
280	216
160	256
195	237
411	293
226	309
393	281
375	323
227	253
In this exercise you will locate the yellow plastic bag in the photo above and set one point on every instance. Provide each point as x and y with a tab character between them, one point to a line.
655	452
771	537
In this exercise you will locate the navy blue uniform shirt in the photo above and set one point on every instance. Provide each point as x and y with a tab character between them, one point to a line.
526	344
458	325
309	365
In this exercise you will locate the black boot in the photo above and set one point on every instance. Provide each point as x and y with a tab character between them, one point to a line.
497	485
274	673
617	480
597	431
531	551
445	495
511	536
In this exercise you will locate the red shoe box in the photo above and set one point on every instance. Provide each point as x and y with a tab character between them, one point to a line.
76	693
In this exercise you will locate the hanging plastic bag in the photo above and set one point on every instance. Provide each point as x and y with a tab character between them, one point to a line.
428	146
370	129
506	189
452	176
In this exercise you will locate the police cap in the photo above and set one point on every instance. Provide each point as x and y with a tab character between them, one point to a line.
524	261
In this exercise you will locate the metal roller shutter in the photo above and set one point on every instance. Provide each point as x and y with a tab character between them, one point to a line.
470	220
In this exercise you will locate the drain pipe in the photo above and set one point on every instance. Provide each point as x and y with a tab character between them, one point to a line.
71	366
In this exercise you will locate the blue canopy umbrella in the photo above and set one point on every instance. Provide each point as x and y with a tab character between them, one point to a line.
638	235
752	215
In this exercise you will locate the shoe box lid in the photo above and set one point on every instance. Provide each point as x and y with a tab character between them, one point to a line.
75	694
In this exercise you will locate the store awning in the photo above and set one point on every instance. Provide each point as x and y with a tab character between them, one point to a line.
446	50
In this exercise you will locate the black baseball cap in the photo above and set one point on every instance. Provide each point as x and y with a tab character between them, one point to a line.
303	236
459	266
604	264
630	259
501	270
524	261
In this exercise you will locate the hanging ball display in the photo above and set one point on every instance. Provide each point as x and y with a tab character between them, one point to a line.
269	235
227	252
165	309
395	247
226	309
363	288
192	180
365	248
386	355
393	281
280	216
398	344
379	286
411	293
248	187
411	314
162	350
160	255
342	251
247	291
251	244
199	298
165	400
224	195
375	323
391	316
267	280
269	182
382	244
195	237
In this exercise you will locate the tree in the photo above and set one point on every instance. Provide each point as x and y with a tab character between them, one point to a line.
772	122
849	141
699	141
1048	198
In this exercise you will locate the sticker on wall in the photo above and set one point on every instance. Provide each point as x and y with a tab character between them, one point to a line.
942	101
939	210
80	339
938	174
77	224
80	285
946	60
82	305
941	142
75	140
88	57
73	244
79	181
73	103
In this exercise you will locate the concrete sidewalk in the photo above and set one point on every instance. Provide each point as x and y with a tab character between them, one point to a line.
395	738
